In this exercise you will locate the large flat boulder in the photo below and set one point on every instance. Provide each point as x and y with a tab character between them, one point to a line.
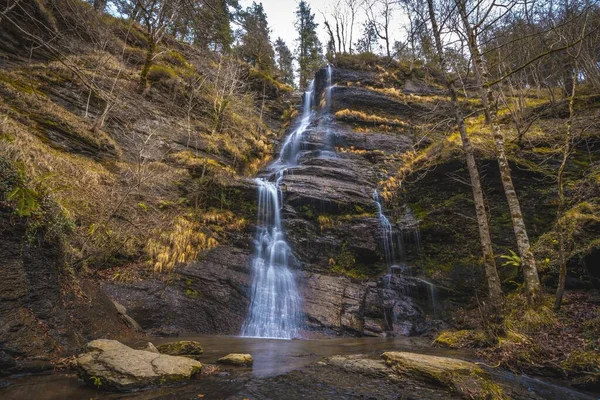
462	377
110	365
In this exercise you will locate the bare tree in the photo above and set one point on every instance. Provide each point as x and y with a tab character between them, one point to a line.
491	272
379	13
156	16
488	96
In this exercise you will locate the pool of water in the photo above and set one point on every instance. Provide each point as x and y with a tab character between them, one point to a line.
272	357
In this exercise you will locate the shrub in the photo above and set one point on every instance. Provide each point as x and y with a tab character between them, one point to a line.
161	73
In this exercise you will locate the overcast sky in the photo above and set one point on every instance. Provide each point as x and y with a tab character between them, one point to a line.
281	16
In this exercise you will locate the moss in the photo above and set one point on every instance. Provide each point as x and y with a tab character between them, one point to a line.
462	377
184	348
161	73
462	339
587	361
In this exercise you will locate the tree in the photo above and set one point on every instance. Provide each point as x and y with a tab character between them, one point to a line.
368	40
310	54
99	5
156	16
284	60
489	262
255	46
379	14
212	28
487	95
353	6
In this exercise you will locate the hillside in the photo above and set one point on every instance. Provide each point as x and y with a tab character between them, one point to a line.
138	212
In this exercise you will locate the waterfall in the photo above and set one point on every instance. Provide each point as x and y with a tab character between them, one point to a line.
275	302
288	155
387	241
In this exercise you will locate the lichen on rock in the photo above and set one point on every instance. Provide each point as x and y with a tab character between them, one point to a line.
463	377
111	365
235	359
183	348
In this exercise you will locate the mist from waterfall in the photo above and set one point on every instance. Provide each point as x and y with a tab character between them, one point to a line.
275	302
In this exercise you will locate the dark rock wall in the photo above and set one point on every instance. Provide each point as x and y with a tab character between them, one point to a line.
331	223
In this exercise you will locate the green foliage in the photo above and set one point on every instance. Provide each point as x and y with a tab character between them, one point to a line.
512	260
309	53
97	382
25	201
255	47
284	62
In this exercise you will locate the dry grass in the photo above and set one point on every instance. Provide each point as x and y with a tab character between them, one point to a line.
364	118
179	245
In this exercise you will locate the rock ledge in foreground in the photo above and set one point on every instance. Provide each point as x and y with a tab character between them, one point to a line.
110	365
462	377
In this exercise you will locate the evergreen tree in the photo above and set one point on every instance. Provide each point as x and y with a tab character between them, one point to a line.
255	46
212	25
309	52
284	62
369	39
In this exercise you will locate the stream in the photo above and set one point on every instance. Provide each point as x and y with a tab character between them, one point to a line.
279	369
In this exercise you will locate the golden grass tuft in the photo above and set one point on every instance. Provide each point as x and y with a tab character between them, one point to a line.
181	244
361	117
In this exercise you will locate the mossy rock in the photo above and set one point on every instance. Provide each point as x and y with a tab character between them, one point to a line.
462	339
184	348
238	360
462	377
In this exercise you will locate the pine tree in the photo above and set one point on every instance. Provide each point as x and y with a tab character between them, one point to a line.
212	25
309	52
284	62
255	46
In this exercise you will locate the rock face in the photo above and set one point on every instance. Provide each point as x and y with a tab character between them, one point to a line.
38	318
110	365
183	348
331	223
235	359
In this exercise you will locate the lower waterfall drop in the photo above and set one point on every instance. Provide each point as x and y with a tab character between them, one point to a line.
275	302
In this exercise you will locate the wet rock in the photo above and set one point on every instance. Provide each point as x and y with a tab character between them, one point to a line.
460	376
110	365
207	296
128	320
183	348
6	362
235	359
151	348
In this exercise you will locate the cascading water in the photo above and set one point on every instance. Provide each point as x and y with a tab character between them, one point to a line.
387	234
288	155
276	304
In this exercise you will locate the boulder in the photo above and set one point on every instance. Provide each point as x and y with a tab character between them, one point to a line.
238	360
462	377
110	365
183	348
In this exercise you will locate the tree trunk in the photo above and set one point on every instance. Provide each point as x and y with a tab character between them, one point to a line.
147	63
489	261
562	201
100	5
530	273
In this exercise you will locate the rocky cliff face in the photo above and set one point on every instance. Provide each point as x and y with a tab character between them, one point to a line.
331	222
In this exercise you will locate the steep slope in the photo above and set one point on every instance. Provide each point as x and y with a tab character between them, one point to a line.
99	181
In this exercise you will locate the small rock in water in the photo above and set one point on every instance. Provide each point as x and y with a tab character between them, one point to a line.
151	348
238	360
110	365
183	348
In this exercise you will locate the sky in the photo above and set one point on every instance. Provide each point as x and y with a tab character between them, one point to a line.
281	15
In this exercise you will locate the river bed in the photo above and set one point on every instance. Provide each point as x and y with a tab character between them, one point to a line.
287	368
